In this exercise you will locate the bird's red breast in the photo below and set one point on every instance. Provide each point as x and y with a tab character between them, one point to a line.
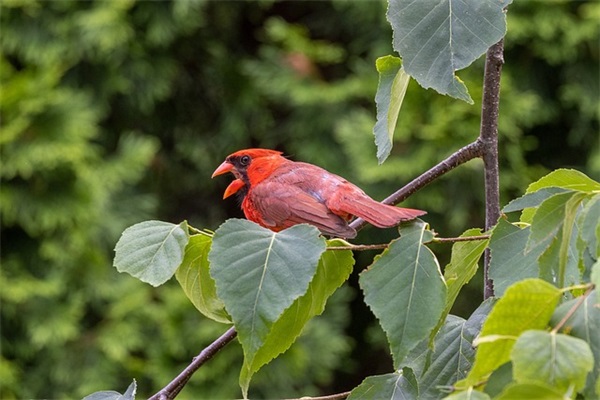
279	193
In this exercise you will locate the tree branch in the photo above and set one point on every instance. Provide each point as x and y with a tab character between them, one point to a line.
174	387
461	156
488	136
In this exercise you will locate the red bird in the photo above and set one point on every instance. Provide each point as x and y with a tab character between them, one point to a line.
278	193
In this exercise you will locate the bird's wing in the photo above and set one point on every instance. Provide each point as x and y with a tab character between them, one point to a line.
283	205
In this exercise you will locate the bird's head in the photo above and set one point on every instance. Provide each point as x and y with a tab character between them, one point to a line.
249	167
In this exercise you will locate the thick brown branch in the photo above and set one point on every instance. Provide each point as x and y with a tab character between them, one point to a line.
489	138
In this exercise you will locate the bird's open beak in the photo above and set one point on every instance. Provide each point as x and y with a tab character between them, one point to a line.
225	167
233	187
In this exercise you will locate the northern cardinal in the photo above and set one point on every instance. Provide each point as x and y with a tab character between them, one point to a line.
278	193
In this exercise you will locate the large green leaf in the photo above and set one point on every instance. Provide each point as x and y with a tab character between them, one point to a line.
584	324
510	262
194	277
437	38
260	273
395	386
151	250
551	358
405	290
393	82
569	179
528	304
334	268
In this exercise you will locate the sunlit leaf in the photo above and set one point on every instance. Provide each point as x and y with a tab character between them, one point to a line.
551	358
152	250
530	391
526	305
569	179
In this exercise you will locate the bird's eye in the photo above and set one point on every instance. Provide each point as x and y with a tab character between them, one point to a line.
245	160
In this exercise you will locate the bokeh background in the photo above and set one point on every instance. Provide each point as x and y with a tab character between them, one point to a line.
115	112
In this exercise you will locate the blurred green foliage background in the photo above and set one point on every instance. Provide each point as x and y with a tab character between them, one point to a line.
115	112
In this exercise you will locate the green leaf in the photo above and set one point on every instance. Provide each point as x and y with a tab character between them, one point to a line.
528	304
260	273
406	292
532	200
584	324
435	39
393	82
395	386
463	265
589	221
499	380
530	391
194	277
469	394
452	354
596	279
559	263
334	268
152	250
569	179
551	358
548	219
112	395
510	262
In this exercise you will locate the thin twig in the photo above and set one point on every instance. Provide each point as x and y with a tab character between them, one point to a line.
381	246
572	310
172	389
459	239
488	136
360	247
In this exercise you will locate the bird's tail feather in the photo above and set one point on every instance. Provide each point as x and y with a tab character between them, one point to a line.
379	214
